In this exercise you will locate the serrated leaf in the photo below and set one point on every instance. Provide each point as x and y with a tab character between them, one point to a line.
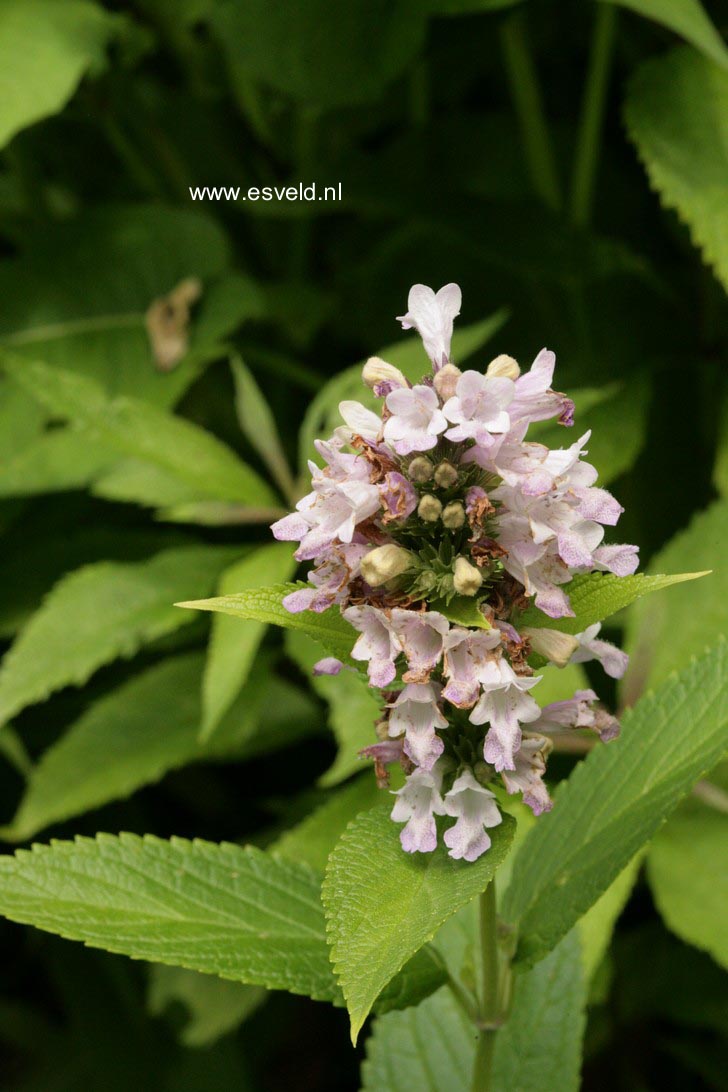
354	707
688	18
322	416
129	738
329	628
233	644
432	1047
45	49
615	800
383	905
313	839
677	115
596	596
214	1005
463	610
687	867
662	632
202	465
97	613
259	426
220	909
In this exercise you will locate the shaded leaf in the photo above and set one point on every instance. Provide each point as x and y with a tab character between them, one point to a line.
383	905
688	18
615	800
313	839
259	426
214	1005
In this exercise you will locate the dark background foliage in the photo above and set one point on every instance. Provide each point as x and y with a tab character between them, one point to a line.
424	118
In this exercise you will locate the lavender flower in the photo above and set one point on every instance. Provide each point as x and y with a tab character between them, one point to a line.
442	497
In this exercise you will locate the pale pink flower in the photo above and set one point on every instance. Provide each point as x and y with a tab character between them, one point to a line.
328	666
612	659
360	421
505	705
399	499
332	511
431	315
527	777
620	560
468	653
415	713
416	420
417	804
476	809
420	635
478	408
578	712
331	579
377	643
534	400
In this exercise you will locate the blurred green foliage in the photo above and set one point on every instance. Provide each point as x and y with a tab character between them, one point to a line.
566	162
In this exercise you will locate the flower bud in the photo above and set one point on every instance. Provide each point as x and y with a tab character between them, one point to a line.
466	579
453	516
445	475
377	371
420	469
446	380
504	365
384	563
556	647
429	508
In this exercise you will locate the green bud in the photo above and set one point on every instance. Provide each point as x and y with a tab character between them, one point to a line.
445	475
429	508
420	469
453	516
483	773
466	578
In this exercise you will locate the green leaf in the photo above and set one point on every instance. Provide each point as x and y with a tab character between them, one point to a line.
97	613
325	58
540	1045
220	909
614	802
407	354
129	738
354	707
662	632
617	417
688	18
45	50
463	610
677	115
687	867
201	465
383	905
77	294
54	461
596	596
313	839
432	1047
259	426
233	644
214	1006
597	925
329	628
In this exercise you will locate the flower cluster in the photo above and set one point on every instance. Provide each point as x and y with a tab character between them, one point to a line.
439	503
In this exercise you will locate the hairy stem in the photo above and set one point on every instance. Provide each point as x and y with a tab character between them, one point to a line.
592	114
490	992
526	95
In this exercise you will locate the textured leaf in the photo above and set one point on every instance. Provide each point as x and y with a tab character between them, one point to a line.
383	905
329	628
354	707
596	596
463	611
233	644
677	115
127	739
214	1005
313	839
325	58
202	465
687	867
45	49
234	912
432	1047
597	925
77	294
614	802
259	426
407	354
97	613
662	632
688	18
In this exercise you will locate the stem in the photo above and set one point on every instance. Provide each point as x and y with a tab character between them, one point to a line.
592	113
526	95
490	995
